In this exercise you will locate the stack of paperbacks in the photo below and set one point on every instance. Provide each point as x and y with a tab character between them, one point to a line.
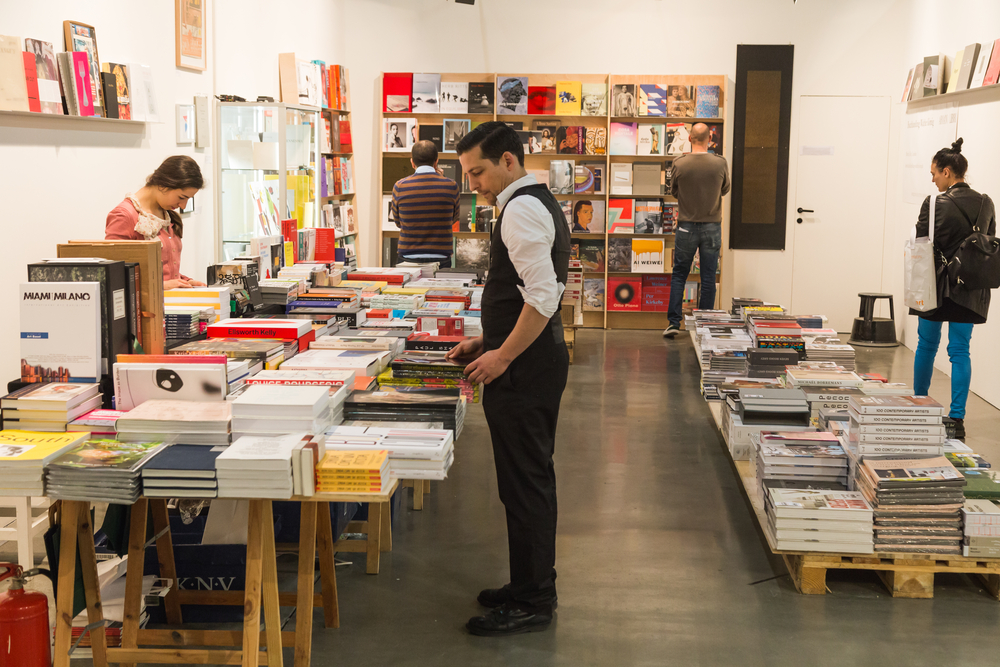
901	426
819	520
413	453
278	292
353	472
437	405
49	406
259	467
186	321
24	455
295	335
267	353
917	504
216	297
362	362
799	460
322	304
332	380
181	471
419	370
368	341
99	423
391	275
839	353
981	519
100	471
807	375
183	422
277	410
775	330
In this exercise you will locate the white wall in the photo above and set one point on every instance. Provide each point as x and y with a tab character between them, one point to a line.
61	183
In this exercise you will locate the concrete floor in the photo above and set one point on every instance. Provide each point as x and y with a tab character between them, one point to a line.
660	561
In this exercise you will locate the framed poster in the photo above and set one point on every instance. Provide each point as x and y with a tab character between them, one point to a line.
190	31
83	37
185	123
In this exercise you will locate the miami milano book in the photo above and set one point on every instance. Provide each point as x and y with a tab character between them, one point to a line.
60	332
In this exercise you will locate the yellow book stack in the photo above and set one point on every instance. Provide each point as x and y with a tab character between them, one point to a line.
353	472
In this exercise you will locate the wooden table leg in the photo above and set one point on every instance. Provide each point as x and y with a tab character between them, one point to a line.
427	486
272	615
327	565
165	556
385	538
418	495
305	584
252	591
69	520
374	537
91	585
133	576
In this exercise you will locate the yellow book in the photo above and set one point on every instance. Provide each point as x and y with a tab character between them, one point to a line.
289	253
568	96
956	68
372	461
326	477
365	285
405	291
32	448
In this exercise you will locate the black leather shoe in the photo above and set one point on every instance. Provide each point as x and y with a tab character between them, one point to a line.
509	620
494	597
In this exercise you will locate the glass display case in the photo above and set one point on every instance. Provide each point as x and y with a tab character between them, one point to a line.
266	171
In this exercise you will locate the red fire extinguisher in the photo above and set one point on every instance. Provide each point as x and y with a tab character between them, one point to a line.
24	622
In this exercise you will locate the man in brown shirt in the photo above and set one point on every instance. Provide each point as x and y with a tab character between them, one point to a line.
699	181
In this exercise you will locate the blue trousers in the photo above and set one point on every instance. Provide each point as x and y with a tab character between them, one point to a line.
928	340
705	237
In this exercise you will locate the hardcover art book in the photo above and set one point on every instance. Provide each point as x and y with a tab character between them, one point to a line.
707	101
481	96
593	294
542	100
647	256
472	254
623	138
547	134
568	94
619	254
455	130
595	141
621	216
652	100
454	97
400	135
396	92
60	331
649	139
512	95
592	255
569	140
47	74
426	93
624	102
648	217
624	294
680	101
595	99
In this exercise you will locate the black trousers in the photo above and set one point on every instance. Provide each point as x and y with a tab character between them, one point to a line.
522	408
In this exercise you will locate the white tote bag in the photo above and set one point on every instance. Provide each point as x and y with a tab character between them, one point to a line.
920	275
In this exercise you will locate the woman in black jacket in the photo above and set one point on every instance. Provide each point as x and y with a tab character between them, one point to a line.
955	213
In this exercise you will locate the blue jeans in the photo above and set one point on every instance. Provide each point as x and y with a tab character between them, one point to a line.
705	237
928	339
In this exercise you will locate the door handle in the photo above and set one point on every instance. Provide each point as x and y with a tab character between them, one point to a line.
804	210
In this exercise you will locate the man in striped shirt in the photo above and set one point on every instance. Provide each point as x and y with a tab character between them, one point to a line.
424	207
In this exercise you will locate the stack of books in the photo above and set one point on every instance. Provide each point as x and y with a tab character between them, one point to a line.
818	520
770	363
907	426
361	339
278	292
446	407
981	529
24	455
798	376
99	423
259	467
217	298
392	275
276	410
49	406
768	408
185	321
387	381
181	471
838	353
105	471
413	453
397	301
981	483
262	354
723	365
831	399
295	335
353	472
184	422
810	321
777	331
773	406
362	362
799	460
917	504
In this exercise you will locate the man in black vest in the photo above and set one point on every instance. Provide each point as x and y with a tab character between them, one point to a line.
521	359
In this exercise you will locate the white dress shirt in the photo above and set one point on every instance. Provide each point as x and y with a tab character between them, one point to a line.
528	234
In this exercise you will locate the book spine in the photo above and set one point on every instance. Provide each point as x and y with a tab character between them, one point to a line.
430	346
901	412
216	331
297	383
896	419
901	439
870	449
902	430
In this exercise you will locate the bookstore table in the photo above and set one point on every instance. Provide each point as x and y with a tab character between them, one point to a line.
260	594
906	575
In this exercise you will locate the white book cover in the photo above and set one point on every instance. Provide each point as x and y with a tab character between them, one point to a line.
982	64
282	401
137	383
333	379
647	256
254	453
387	222
426	93
358	360
649	139
399	135
61	331
454	97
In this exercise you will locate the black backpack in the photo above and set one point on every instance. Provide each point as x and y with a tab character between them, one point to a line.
976	263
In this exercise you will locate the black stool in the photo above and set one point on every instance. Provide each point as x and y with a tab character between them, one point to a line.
873	331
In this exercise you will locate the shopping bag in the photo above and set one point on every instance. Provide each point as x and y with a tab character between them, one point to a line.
920	275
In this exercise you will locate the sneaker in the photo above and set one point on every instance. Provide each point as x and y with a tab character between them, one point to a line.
671	331
959	429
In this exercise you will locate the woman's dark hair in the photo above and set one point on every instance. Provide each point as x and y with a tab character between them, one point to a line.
177	172
952	158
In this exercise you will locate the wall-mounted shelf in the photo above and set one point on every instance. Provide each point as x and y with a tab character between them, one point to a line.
927	101
95	121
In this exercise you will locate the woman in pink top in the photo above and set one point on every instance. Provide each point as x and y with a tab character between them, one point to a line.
150	214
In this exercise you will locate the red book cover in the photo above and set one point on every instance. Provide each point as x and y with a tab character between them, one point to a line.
624	293
346	145
542	100
379	313
263	331
333	80
290	232
391	278
31	79
84	89
326	244
397	92
993	71
306	339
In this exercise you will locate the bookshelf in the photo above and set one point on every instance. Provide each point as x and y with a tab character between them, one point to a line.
391	169
333	151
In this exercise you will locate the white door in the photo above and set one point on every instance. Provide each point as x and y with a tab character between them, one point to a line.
839	205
